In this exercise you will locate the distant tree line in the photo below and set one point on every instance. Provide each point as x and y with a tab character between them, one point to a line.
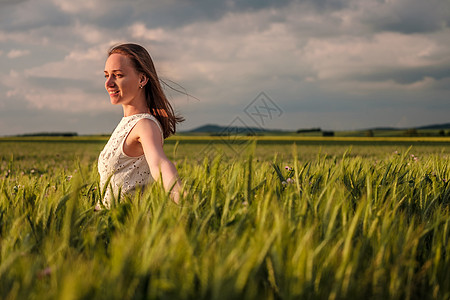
50	134
415	132
442	133
318	129
309	130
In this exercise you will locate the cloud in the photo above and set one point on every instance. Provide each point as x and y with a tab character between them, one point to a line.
80	6
329	57
55	94
23	38
266	53
15	53
140	31
29	15
70	100
385	56
405	16
84	64
5	3
183	13
232	50
18	117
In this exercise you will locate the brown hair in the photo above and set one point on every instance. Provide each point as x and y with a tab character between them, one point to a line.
154	95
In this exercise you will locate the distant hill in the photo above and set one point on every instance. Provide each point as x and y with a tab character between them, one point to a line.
383	128
217	129
211	128
436	126
207	128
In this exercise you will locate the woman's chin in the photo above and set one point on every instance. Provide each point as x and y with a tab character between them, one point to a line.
114	100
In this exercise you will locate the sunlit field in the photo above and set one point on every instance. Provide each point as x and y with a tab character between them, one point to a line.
262	218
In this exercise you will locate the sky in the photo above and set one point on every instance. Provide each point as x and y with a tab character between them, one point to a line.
333	64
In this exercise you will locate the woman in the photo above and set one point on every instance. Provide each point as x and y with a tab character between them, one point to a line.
134	156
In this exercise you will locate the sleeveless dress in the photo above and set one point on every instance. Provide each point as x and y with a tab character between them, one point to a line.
126	172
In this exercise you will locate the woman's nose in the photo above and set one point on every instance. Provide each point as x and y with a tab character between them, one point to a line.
109	81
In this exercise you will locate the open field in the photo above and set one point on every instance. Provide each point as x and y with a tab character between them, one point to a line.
347	219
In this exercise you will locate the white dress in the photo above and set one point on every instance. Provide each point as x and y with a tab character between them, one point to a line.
126	172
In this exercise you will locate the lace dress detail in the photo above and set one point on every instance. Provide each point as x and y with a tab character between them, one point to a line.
126	172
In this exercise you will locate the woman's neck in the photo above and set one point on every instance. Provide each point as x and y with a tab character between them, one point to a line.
138	106
129	110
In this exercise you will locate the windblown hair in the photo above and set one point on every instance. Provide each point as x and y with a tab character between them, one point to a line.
155	98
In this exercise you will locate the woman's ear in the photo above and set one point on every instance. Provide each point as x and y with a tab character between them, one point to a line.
143	80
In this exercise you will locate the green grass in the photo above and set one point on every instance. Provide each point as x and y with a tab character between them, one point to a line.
347	222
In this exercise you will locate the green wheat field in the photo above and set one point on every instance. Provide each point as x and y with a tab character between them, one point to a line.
260	219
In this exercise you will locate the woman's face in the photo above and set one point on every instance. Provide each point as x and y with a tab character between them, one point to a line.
122	80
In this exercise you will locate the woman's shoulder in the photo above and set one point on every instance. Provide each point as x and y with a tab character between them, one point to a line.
148	116
146	125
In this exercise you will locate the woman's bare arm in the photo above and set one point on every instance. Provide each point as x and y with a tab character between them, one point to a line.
149	136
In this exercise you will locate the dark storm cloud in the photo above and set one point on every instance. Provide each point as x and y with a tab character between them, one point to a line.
408	75
328	5
409	16
115	15
182	12
25	15
5	3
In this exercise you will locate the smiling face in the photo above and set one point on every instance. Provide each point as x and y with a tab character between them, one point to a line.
122	80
